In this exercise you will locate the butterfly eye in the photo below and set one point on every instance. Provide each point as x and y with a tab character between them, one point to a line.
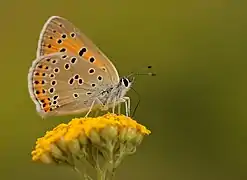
125	82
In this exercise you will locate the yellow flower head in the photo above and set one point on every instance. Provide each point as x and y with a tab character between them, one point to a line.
115	134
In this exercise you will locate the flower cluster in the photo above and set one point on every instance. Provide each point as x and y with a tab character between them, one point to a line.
102	142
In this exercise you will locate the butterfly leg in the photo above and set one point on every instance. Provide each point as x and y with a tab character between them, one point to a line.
91	107
127	105
119	108
114	105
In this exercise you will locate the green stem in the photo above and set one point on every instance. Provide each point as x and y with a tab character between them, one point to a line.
110	174
82	176
101	175
110	166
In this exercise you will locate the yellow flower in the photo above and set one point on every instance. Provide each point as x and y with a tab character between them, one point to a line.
110	137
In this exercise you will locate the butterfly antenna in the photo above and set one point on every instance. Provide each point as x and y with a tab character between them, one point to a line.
138	73
138	103
133	74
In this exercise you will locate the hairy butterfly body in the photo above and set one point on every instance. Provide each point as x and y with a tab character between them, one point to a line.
71	75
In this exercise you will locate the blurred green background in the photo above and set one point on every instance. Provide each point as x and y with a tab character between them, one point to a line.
195	106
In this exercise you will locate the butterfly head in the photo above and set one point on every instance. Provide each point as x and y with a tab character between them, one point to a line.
123	86
126	82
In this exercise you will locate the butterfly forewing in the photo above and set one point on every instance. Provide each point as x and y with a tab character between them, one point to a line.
60	35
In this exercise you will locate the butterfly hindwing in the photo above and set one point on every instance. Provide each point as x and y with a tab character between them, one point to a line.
63	83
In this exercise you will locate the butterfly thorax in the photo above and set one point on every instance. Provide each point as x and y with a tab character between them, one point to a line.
114	94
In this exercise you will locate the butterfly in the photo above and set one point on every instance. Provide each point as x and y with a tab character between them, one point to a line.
71	75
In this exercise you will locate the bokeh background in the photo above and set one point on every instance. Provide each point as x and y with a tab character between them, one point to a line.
195	106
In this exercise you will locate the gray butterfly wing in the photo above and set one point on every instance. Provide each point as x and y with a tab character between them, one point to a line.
60	35
64	83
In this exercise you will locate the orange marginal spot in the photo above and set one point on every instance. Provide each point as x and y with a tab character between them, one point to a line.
40	70
38	86
41	95
46	105
45	67
46	100
47	108
38	78
36	74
